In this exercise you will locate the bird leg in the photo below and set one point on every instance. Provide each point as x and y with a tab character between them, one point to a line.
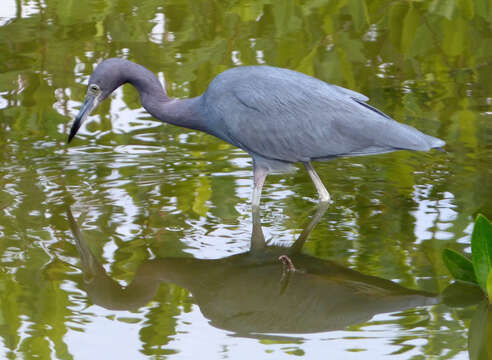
323	194
257	237
260	174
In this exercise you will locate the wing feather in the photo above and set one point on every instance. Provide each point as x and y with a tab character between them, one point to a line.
285	115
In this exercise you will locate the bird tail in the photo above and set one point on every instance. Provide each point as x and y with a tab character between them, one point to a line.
435	143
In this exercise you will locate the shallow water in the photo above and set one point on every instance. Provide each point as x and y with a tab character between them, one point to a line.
151	267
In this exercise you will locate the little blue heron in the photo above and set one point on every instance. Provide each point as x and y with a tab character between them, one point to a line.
278	116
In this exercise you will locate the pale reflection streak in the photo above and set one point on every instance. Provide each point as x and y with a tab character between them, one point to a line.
126	228
9	10
433	217
3	102
157	33
125	120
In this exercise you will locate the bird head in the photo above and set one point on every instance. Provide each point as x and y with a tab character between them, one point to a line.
106	78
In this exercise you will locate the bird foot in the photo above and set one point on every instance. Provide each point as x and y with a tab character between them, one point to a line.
287	262
324	198
287	269
325	201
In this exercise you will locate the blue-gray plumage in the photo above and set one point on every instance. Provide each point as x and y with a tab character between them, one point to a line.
278	116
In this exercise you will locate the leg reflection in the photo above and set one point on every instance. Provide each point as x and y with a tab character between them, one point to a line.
257	237
318	215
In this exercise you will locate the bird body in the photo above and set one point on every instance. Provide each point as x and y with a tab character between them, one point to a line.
278	116
281	115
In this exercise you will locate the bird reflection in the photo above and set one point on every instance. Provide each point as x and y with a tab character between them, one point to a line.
255	292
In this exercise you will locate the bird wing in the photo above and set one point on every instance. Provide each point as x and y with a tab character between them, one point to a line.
285	115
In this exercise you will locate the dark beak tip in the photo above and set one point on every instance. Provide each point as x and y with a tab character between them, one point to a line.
85	110
74	129
71	135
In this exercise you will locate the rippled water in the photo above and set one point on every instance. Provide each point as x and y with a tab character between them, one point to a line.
157	261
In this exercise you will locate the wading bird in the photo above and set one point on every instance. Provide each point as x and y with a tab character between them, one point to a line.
278	116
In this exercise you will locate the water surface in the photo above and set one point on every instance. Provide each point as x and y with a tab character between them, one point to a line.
146	196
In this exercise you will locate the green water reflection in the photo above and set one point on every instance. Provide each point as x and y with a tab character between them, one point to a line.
148	191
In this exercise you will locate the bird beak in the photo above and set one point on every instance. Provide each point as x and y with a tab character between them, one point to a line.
89	104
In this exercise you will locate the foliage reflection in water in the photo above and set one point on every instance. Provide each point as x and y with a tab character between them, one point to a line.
153	191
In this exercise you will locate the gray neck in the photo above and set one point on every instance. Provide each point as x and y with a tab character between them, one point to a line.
154	99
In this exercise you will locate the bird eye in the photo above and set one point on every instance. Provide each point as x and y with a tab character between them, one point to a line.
94	87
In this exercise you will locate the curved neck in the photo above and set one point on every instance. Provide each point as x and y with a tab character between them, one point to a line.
154	99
